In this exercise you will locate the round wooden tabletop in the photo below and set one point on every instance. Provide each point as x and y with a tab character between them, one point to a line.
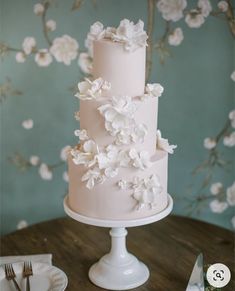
168	247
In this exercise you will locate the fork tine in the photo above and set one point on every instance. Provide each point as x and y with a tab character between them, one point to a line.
30	267
6	271
12	271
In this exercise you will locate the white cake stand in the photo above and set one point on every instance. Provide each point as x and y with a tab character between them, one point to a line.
118	270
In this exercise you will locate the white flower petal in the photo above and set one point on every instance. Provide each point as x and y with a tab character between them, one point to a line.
216	188
38	9
22	224
172	9
230	193
64	49
209	143
64	152
27	124
28	45
20	57
45	172
34	160
217	206
43	58
223	6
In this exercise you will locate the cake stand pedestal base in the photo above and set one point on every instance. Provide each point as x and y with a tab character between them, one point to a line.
118	270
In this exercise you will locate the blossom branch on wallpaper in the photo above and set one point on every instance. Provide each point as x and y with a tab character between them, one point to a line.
63	49
45	170
174	11
6	89
220	197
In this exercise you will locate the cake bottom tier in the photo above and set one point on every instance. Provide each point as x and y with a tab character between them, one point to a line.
108	200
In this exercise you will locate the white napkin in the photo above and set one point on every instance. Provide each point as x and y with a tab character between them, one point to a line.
42	258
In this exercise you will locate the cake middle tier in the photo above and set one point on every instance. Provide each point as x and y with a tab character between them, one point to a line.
102	124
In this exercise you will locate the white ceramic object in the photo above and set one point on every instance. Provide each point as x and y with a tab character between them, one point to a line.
45	277
118	270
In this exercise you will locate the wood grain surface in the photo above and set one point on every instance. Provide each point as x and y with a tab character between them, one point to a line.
168	247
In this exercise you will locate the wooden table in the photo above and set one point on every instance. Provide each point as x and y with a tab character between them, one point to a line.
169	248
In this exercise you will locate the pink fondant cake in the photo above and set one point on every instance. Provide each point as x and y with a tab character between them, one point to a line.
119	168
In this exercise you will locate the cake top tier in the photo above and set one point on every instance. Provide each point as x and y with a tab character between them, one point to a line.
119	56
131	35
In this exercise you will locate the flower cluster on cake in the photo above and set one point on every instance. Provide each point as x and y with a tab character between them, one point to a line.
118	169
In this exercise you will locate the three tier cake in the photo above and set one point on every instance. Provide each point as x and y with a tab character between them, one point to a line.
118	170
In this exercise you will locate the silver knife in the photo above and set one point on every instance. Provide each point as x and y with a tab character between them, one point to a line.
196	281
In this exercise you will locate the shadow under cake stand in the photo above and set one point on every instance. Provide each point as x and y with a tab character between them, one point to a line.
118	270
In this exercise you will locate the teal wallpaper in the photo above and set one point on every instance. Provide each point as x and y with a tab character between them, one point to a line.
195	64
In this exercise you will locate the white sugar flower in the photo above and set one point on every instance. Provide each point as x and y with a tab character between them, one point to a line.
51	25
109	32
154	90
27	124
88	89
163	144
176	37
223	6
130	34
85	63
205	7
122	184
64	152
20	57
139	133
216	188
22	224
140	160
28	45
93	176
233	76
88	155
124	136
109	161
38	9
110	172
65	176
171	9
43	58
34	160
146	191
233	222
81	133
209	143
217	206
230	193
194	19
96	32
118	114
45	172
229	141
64	49
231	116
124	158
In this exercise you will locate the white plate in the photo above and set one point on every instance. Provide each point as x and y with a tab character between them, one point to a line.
45	277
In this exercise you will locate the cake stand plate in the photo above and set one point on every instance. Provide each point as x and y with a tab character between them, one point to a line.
118	270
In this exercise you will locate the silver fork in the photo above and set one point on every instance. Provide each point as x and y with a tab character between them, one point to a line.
27	272
10	275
